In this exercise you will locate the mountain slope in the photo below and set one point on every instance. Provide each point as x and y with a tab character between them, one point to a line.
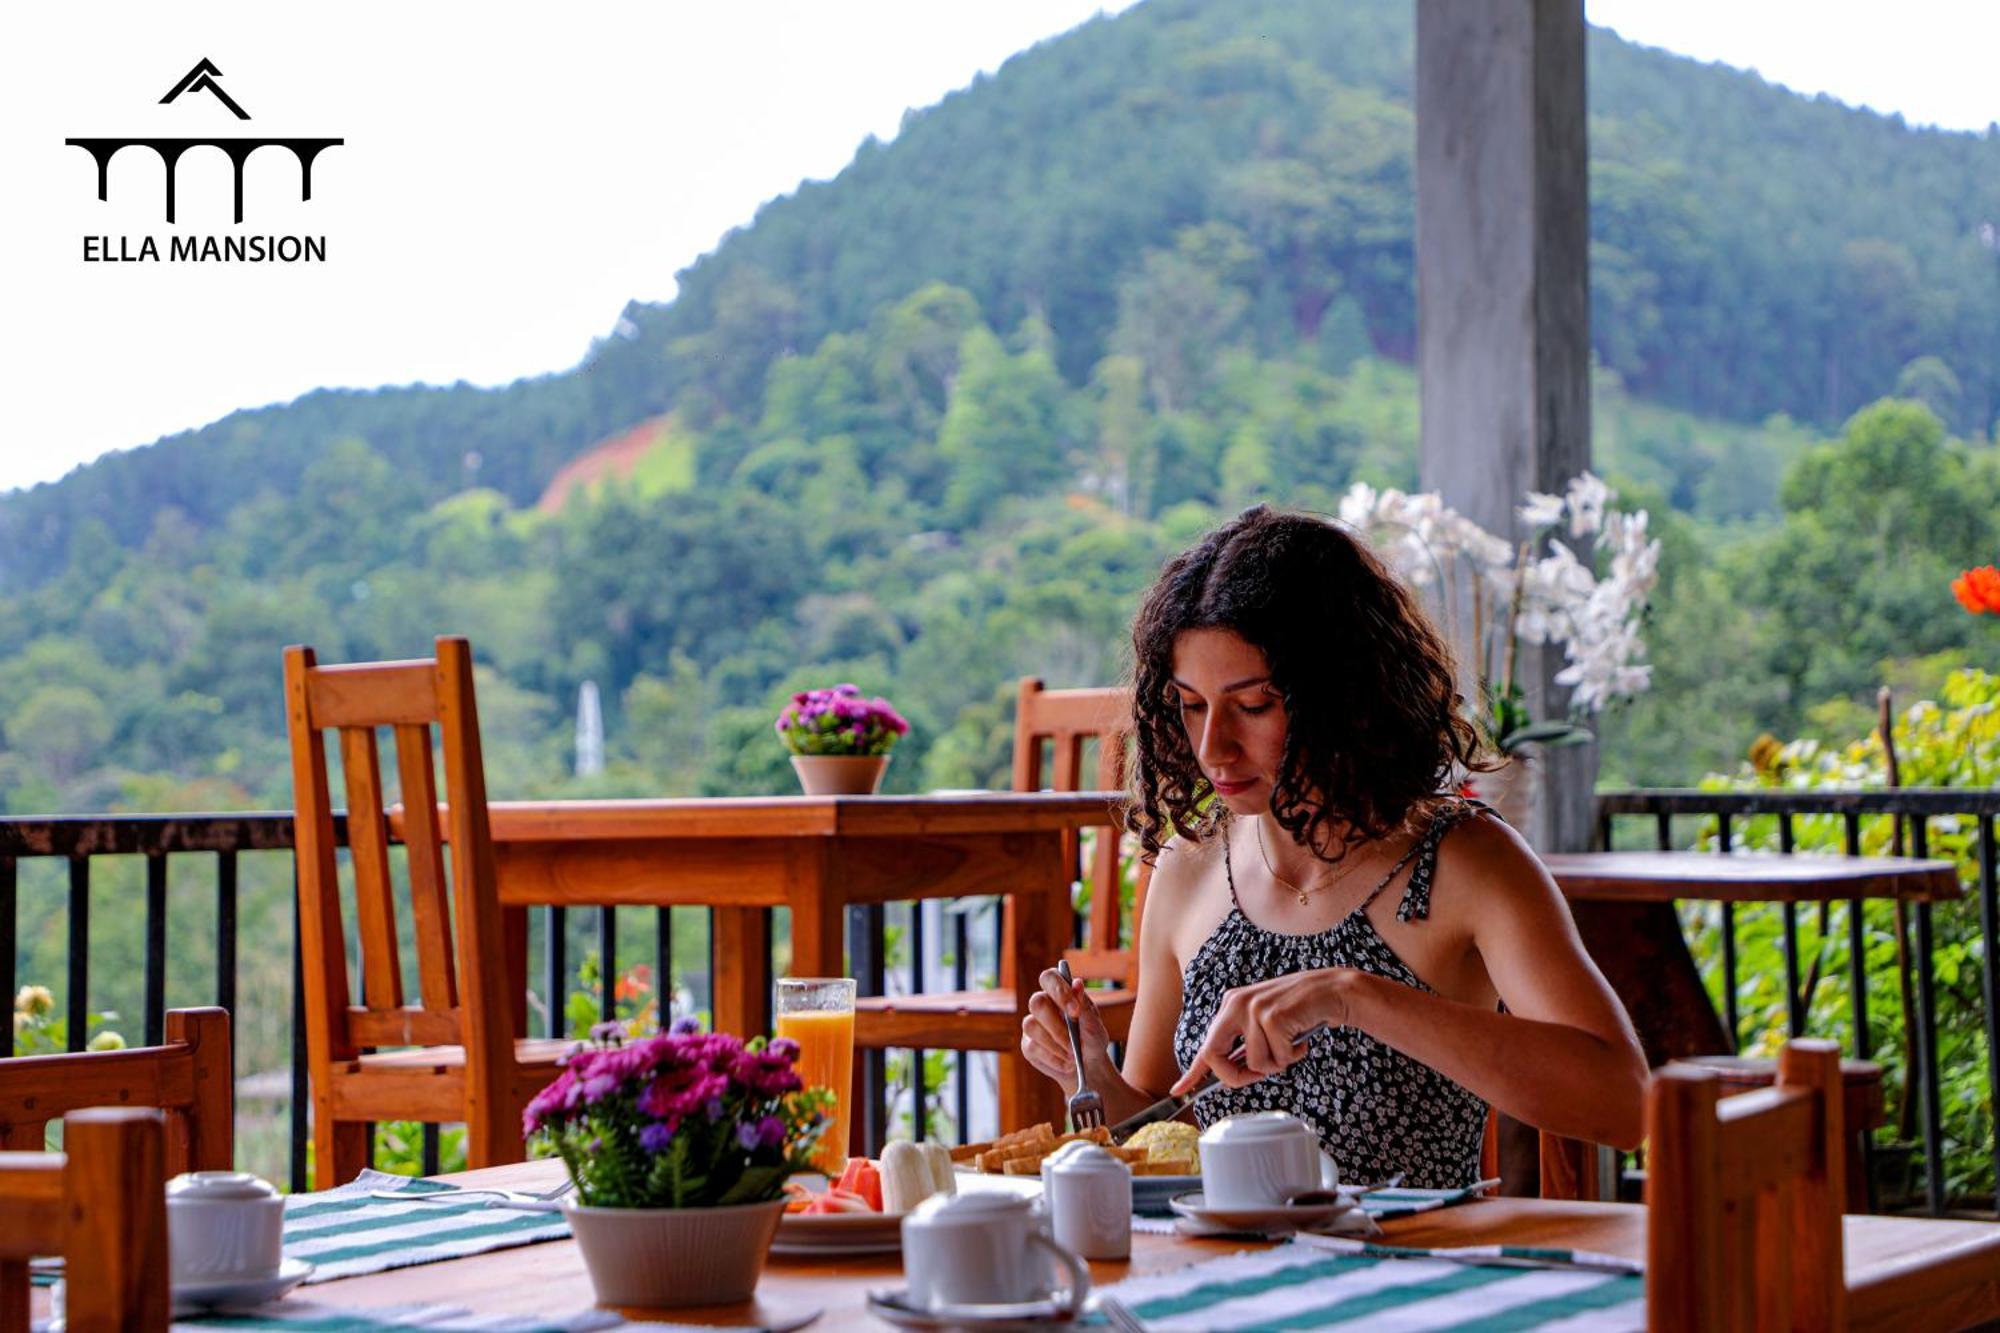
1755	252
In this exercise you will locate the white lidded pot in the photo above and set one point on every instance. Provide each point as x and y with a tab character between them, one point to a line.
1261	1160
985	1248
1090	1202
223	1226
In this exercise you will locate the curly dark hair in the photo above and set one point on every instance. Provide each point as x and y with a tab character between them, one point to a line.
1375	720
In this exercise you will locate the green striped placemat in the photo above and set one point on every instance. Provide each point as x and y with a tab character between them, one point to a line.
345	1232
1303	1286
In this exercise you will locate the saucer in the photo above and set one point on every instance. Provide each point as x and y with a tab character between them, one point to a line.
1027	1317
1266	1217
241	1292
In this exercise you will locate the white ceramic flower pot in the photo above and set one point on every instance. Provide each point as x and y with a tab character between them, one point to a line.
840	774
657	1258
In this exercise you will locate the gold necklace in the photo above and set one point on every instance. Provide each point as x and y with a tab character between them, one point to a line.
1304	895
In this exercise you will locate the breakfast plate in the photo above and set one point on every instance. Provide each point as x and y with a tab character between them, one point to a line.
838	1233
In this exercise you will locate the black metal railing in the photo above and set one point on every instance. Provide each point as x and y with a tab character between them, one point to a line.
1851	807
167	840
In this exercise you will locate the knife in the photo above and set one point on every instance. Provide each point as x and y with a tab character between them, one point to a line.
1168	1107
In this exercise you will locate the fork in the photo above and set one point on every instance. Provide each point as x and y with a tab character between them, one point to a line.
496	1198
1086	1108
1120	1315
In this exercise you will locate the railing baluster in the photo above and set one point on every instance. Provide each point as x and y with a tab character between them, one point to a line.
225	934
865	943
1927	1035
663	965
919	1117
555	970
9	931
607	964
1728	925
155	1009
961	978
432	1152
1664	831
1989	910
1795	1000
79	950
1857	948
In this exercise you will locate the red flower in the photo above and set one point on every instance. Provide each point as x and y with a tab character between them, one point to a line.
1978	590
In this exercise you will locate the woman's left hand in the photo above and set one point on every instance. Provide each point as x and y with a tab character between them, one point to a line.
1267	1017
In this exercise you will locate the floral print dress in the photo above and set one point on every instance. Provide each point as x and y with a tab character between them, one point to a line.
1377	1111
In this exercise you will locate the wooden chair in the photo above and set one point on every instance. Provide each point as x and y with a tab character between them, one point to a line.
1743	1194
190	1078
462	1060
102	1205
986	1020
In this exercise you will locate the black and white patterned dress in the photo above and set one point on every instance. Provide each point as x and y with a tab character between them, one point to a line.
1375	1109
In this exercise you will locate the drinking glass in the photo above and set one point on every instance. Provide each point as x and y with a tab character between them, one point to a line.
818	1014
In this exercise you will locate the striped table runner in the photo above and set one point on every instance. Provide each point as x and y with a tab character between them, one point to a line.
1303	1286
344	1232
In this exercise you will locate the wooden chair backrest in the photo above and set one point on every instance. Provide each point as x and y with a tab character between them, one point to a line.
190	1078
408	697
1065	721
1743	1198
102	1205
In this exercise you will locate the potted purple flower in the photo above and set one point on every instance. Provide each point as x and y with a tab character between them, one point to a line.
679	1146
839	740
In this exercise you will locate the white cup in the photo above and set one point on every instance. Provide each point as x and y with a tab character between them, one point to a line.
223	1226
1090	1201
1261	1160
984	1249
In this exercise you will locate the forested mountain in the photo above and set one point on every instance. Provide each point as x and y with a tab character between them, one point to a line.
1755	252
935	423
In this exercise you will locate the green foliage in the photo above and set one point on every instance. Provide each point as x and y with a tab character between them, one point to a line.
935	424
1950	741
40	1030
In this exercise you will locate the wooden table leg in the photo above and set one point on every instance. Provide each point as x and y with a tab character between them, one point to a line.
1039	929
740	970
1640	950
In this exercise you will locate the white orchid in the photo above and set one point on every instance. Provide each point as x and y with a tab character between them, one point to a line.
1540	511
1511	595
1586	497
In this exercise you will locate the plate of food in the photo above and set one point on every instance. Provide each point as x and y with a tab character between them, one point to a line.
1162	1156
862	1212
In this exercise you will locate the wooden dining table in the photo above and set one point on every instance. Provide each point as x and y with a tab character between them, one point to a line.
1902	1273
1623	903
814	856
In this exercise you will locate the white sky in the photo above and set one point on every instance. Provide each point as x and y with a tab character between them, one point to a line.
514	173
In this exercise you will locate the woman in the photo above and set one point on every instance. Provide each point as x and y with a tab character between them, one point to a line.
1283	671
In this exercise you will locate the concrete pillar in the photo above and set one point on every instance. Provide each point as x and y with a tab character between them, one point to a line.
1503	292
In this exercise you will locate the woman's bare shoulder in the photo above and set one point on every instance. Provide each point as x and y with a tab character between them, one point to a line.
1184	866
1483	850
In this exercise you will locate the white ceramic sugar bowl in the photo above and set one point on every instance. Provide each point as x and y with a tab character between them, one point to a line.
1090	1201
223	1226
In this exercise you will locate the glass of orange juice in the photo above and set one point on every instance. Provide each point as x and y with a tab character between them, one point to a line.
818	1014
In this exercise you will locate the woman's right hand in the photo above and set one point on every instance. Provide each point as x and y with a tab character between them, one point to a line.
1045	1038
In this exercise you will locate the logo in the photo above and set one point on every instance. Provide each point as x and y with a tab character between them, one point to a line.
205	78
